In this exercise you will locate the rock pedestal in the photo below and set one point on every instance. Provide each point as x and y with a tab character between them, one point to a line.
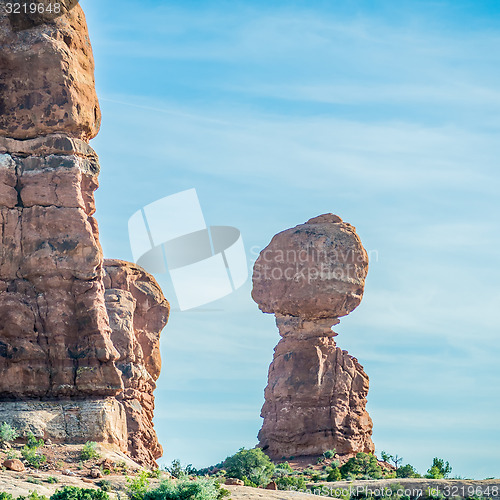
315	400
79	339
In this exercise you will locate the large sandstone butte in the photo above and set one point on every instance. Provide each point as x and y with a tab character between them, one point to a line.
315	400
79	336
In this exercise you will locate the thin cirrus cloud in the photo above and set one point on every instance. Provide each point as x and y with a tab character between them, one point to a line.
276	113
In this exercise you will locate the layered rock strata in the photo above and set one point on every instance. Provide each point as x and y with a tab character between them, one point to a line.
138	311
76	338
315	400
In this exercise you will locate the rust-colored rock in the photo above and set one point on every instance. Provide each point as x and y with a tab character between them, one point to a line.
47	79
78	359
315	400
138	311
14	465
54	329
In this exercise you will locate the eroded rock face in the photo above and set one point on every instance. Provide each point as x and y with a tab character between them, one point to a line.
47	79
138	311
315	400
54	329
79	345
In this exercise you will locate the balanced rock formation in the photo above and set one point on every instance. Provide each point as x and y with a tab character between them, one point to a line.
315	400
79	340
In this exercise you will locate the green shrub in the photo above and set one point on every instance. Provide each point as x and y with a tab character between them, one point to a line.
253	465
138	486
201	489
104	485
33	480
33	457
178	471
329	453
362	465
333	474
74	493
6	496
52	480
283	469
33	443
89	451
7	433
407	471
33	496
439	470
290	483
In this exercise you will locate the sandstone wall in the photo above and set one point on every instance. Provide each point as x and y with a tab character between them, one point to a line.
79	343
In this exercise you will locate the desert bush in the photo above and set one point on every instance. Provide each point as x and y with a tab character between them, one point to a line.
362	465
178	471
7	433
33	496
104	485
283	469
253	465
6	496
407	471
138	486
74	493
32	442
439	469
329	453
89	451
33	457
333	474
184	489
290	483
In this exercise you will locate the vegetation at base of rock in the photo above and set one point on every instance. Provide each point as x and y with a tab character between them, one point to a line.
30	451
7	433
89	451
329	453
183	489
290	483
334	474
251	466
362	466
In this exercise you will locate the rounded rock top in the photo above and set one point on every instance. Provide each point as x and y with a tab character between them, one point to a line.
314	270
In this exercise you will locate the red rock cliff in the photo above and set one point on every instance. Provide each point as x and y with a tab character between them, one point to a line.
64	337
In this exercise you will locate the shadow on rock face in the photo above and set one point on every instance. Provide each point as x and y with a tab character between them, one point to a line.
28	14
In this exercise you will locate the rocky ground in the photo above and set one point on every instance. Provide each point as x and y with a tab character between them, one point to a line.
46	483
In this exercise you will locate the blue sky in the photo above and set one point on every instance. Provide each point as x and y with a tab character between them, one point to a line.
385	113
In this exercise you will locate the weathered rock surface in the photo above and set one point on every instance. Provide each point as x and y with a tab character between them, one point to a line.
47	79
82	360
64	421
138	311
14	464
315	400
315	270
54	329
